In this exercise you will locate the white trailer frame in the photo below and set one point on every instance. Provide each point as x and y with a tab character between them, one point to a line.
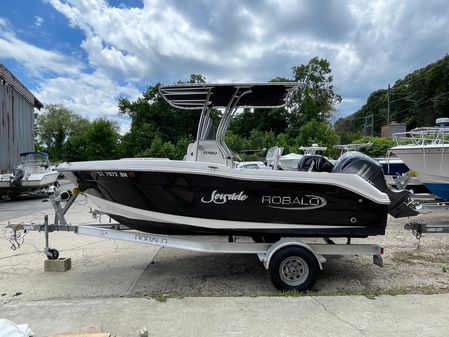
299	253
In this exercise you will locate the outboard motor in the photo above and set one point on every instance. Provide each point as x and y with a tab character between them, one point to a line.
371	170
17	175
314	163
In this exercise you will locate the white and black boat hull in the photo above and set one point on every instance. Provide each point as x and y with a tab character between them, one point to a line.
200	199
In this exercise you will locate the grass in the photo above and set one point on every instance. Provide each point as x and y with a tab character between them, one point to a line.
160	298
368	293
411	257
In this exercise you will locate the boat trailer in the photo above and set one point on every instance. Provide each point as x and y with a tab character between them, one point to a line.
418	228
292	264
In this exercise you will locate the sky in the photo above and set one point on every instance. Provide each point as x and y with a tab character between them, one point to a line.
86	54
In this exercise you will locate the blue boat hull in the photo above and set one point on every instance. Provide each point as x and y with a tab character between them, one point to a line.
440	190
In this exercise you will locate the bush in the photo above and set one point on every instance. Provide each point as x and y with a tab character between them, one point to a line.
379	148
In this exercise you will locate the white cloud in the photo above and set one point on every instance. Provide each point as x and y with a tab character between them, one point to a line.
369	44
62	80
90	95
38	21
36	60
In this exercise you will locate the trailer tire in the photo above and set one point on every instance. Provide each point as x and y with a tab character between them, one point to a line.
53	254
293	268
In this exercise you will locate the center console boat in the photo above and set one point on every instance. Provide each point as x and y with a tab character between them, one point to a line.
205	194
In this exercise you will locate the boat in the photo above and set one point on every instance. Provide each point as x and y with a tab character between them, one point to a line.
397	173
426	151
291	161
391	165
33	175
257	165
205	194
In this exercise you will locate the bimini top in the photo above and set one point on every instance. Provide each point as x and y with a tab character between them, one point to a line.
24	154
250	95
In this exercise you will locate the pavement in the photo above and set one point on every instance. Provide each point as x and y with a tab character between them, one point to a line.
120	287
410	315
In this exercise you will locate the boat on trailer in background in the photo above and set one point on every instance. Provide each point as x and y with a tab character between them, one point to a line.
32	176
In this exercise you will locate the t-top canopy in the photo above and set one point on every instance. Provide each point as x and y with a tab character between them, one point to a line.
251	95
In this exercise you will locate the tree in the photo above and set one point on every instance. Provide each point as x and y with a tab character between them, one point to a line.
102	139
317	99
55	125
197	78
318	132
260	119
151	117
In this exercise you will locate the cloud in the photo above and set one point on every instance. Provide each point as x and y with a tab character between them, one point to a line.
165	41
39	21
90	95
36	60
369	44
62	79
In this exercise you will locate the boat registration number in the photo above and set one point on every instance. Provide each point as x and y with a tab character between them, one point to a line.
113	174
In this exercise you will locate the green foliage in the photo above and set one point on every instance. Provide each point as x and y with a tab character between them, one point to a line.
153	120
197	78
318	98
54	126
379	148
318	132
261	119
67	136
255	145
102	140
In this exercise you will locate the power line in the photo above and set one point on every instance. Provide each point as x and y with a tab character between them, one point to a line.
416	77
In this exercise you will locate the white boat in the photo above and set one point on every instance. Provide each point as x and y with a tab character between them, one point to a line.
33	175
292	161
289	162
426	151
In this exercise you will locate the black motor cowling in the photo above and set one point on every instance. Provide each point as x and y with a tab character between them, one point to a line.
17	175
314	163
371	170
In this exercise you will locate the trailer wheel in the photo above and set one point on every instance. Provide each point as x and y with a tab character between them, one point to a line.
52	254
293	268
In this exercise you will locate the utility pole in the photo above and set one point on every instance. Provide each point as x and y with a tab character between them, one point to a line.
389	105
366	125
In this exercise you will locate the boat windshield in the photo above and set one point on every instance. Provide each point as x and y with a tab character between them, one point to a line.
35	159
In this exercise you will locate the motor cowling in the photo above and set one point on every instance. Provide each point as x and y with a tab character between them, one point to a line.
314	163
371	170
17	175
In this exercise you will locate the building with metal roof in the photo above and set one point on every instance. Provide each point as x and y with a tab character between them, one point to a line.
17	106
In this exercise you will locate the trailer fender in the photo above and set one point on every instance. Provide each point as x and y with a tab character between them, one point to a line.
286	242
